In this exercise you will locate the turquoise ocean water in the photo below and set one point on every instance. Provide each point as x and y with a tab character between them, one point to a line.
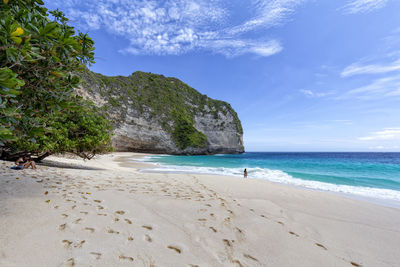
371	175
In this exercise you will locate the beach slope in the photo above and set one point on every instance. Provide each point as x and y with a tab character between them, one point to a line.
104	212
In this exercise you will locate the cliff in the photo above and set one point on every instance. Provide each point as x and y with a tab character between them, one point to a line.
156	114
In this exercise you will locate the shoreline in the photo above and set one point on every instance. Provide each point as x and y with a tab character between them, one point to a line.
102	213
147	168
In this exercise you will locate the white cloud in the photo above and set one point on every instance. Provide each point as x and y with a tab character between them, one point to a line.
363	6
386	85
378	88
313	94
177	26
358	69
379	147
232	48
268	13
385	134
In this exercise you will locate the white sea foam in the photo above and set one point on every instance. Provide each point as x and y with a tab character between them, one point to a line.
143	159
282	177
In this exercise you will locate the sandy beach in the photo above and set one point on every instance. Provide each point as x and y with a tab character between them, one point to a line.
104	212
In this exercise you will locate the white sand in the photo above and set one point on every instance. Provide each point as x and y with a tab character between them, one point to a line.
111	215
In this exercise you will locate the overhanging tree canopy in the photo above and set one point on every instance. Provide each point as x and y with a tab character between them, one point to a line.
39	59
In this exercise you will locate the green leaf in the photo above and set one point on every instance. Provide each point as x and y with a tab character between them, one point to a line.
17	40
48	28
39	102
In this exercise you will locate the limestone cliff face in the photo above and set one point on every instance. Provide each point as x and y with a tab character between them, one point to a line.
155	114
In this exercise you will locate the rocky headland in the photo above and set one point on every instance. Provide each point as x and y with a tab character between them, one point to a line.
156	114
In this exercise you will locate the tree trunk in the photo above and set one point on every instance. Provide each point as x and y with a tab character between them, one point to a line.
13	156
41	157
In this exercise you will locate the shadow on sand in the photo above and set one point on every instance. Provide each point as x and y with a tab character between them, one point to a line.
56	164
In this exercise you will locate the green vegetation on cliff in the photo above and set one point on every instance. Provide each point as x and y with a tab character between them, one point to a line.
184	133
173	103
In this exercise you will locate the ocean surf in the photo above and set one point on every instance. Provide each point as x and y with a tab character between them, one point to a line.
366	175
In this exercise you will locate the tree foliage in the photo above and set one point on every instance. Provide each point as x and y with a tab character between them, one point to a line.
40	55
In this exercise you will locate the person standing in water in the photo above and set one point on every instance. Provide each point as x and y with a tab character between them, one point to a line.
245	173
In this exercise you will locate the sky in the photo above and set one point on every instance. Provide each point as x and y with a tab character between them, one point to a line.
303	75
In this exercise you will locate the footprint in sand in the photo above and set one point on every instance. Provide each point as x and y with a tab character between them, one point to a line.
130	238
111	231
64	215
80	244
250	257
128	221
84	212
238	263
122	257
213	229
355	264
97	201
67	243
176	249
77	220
62	227
90	229
239	231
96	254
116	219
69	263
147	227
321	246
293	233
227	222
148	238
120	212
227	242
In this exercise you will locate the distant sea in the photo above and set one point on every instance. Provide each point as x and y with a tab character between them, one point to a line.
369	175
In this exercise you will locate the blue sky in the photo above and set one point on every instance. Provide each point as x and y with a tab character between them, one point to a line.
303	75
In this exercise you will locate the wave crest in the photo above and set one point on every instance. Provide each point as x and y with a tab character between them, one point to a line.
284	178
